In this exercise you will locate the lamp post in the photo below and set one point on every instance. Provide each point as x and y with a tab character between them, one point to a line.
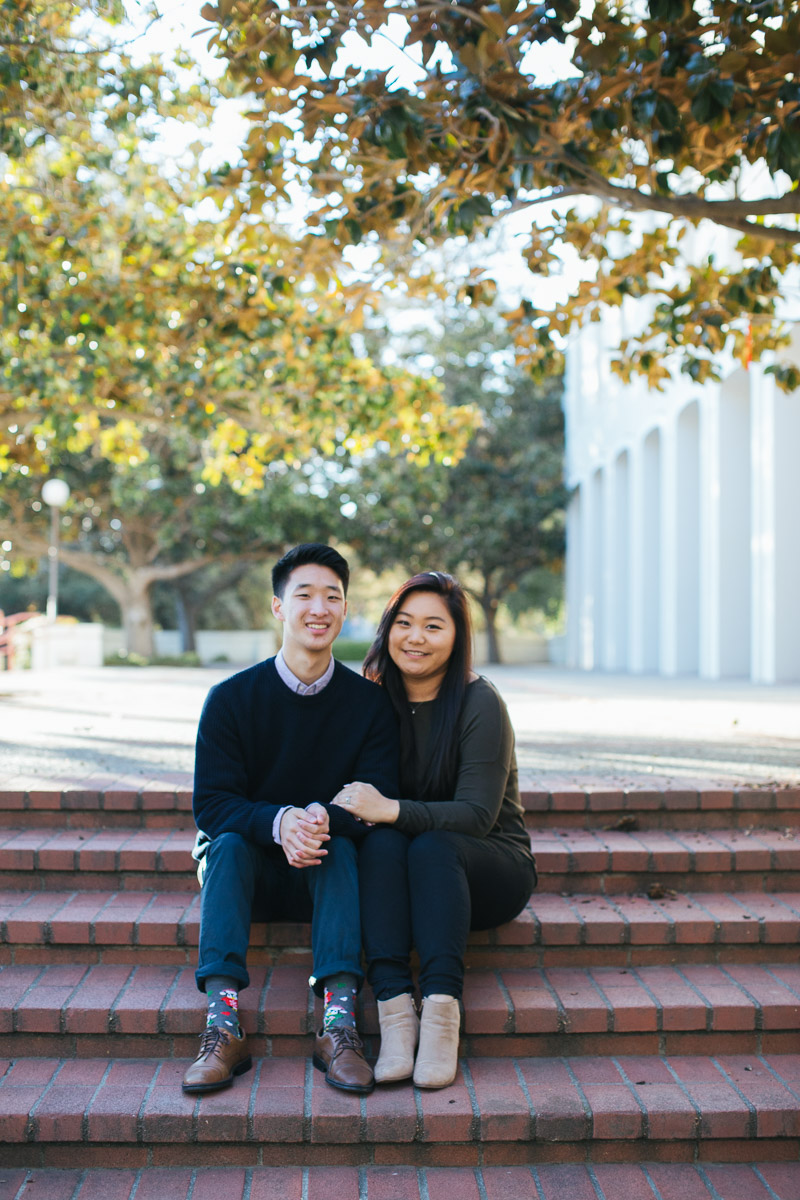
55	493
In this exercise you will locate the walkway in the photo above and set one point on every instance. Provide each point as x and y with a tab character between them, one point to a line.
132	726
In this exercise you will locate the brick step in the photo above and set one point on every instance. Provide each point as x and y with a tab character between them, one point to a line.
569	860
580	930
159	805
601	1181
103	1010
499	1112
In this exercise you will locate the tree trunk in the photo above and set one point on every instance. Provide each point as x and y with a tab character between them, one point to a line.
137	616
489	607
186	614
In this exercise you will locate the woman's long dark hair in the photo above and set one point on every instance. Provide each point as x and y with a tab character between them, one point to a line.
440	778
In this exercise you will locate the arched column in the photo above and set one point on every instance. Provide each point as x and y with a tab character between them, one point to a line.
616	565
775	437
725	531
574	580
645	555
595	559
680	632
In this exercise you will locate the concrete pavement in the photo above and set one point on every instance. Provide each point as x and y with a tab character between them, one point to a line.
136	725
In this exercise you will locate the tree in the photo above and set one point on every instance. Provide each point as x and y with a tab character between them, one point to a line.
497	517
684	111
130	527
125	310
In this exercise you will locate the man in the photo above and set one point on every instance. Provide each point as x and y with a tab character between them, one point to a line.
275	744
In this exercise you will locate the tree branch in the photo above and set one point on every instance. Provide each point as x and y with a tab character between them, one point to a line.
731	213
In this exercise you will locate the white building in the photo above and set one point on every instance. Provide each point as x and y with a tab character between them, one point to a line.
683	533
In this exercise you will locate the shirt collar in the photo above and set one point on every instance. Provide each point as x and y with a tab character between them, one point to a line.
302	689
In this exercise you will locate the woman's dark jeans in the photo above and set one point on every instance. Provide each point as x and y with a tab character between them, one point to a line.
429	891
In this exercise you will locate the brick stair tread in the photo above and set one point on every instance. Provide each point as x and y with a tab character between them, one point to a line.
494	1102
551	1181
558	852
147	919
100	999
110	801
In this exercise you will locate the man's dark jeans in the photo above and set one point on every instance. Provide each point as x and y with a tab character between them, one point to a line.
245	882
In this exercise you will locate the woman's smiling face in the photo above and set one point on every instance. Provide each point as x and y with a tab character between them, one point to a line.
421	641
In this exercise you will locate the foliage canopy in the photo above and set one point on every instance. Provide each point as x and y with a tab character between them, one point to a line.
685	110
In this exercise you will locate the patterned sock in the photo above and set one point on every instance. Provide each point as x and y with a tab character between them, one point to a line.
223	1004
340	993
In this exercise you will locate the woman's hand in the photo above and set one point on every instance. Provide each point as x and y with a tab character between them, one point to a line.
367	803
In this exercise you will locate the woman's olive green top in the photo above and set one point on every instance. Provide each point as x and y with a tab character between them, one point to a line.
485	802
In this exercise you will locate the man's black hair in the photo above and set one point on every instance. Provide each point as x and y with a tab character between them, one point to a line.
300	556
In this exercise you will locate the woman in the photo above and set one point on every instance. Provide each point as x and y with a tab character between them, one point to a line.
455	855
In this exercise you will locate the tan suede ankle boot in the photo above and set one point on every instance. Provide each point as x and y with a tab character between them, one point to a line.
437	1057
399	1037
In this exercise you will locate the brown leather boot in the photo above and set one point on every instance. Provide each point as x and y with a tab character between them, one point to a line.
221	1057
340	1054
437	1057
399	1037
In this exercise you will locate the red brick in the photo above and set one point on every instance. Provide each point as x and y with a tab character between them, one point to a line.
112	1114
18	848
486	1008
562	1182
602	923
391	1183
445	1184
164	1184
447	1114
137	1009
535	1009
648	923
737	1181
678	1182
585	1009
681	1007
222	1116
49	1185
280	1097
115	924
670	1115
166	1115
502	1105
41	1011
559	1111
556	919
324	1183
277	1183
285	1007
780	1006
335	1115
569	801
391	1114
623	1180
509	1183
783	1178
777	1109
633	1008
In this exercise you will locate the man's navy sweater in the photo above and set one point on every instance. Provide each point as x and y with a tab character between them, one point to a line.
260	746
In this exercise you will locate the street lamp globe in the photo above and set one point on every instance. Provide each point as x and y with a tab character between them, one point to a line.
55	492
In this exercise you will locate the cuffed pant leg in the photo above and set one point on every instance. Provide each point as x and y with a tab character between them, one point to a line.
386	911
226	908
335	922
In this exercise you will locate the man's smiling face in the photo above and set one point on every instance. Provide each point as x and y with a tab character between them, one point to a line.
312	609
